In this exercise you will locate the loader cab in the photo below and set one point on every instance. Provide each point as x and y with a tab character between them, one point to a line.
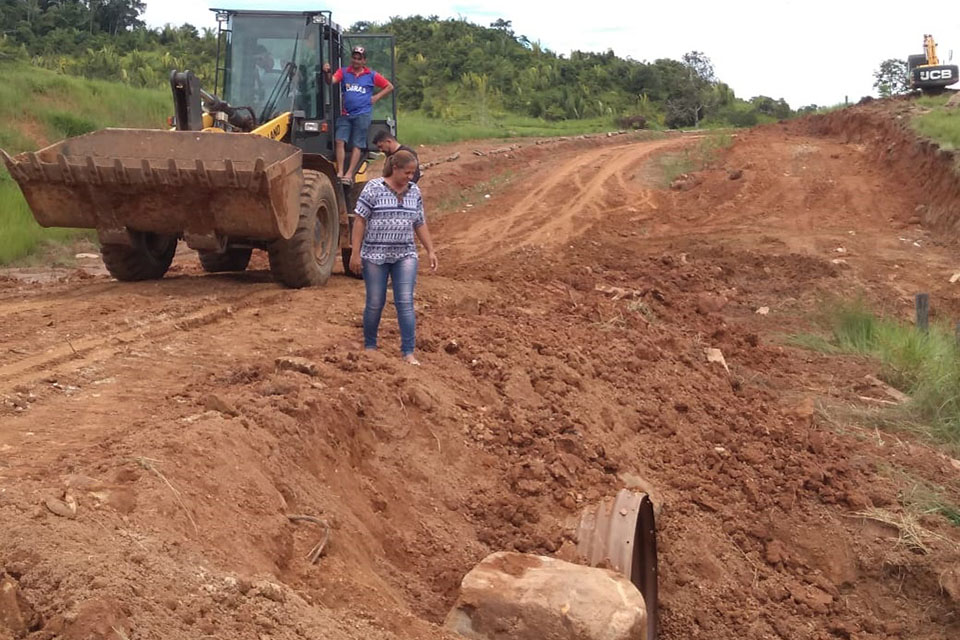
271	61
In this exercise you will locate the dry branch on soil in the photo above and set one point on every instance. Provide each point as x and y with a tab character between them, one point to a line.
318	548
911	533
148	464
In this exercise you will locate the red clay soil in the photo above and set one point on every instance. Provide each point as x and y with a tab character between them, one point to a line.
932	171
563	347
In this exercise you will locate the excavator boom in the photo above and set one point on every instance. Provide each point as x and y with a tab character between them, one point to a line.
930	48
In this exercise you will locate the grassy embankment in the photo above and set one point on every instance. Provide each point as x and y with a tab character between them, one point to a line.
924	365
939	123
38	107
416	128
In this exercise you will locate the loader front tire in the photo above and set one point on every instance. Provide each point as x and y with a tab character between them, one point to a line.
147	257
306	259
229	260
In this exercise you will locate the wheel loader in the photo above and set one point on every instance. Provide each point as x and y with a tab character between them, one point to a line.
926	72
253	169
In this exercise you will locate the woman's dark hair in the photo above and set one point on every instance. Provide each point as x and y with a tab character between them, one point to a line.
400	160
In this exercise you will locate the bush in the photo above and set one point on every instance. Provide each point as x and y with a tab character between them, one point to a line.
632	122
740	118
554	113
67	125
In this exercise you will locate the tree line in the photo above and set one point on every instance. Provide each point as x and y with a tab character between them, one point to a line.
447	68
102	39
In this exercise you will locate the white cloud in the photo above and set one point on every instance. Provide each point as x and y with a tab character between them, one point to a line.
816	51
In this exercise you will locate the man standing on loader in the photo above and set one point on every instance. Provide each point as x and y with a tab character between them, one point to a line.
359	82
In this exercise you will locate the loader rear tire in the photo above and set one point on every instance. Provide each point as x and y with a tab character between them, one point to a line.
146	258
306	259
229	260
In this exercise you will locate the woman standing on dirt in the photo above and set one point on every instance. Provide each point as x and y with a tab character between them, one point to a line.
389	215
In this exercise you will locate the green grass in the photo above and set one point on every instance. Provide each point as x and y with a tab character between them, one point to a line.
920	496
938	123
813	342
67	125
694	158
673	165
941	126
19	232
933	102
924	365
39	107
416	128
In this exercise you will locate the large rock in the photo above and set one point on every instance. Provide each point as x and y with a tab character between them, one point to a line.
512	596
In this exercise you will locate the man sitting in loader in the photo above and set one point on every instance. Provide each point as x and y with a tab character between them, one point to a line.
359	82
266	73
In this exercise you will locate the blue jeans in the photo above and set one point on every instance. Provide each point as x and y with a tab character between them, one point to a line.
403	273
353	129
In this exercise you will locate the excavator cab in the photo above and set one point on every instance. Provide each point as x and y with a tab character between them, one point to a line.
926	72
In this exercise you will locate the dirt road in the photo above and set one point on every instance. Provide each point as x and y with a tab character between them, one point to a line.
563	357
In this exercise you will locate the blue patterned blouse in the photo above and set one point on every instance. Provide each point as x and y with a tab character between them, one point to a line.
391	221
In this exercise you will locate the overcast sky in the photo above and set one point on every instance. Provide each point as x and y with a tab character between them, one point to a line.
814	51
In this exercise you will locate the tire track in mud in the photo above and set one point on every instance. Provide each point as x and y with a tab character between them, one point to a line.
46	298
52	298
69	355
566	200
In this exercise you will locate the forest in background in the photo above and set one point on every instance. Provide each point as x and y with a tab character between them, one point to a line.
447	69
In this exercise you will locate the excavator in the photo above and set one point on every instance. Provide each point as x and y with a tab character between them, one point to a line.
926	72
248	165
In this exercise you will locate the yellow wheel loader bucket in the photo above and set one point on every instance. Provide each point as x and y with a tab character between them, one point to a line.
203	185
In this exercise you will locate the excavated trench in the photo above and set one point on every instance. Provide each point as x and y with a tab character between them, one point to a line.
930	171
